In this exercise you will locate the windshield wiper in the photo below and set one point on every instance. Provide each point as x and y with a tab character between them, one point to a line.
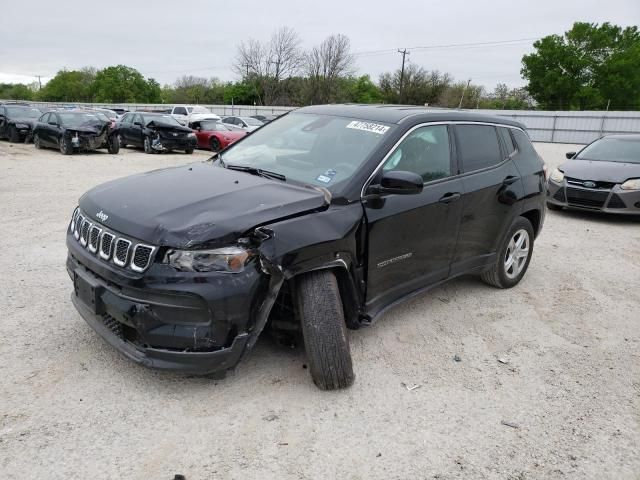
257	171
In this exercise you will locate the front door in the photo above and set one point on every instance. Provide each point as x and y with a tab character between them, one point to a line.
412	238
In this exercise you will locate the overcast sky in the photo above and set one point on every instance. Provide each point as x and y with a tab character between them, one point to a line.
167	39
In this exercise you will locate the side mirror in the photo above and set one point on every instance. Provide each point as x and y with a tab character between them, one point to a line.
399	182
570	155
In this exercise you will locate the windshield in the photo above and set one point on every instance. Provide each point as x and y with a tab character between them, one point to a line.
625	150
215	126
161	119
24	112
74	120
253	122
320	150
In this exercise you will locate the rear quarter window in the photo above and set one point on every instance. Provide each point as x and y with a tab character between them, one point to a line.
478	146
527	153
507	141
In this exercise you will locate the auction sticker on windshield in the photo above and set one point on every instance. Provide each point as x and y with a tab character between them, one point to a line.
368	127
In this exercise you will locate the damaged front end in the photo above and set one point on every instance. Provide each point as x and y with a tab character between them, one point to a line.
90	137
165	137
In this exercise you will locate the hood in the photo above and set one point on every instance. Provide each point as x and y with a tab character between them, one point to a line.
616	172
195	204
90	128
157	125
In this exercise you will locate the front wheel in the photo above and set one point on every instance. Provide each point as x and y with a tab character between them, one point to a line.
319	308
122	143
65	146
189	151
147	145
113	144
513	257
36	141
215	144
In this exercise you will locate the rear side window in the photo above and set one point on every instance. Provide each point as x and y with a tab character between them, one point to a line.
478	146
507	141
44	118
180	111
127	118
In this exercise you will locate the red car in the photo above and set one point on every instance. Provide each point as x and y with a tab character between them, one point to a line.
215	136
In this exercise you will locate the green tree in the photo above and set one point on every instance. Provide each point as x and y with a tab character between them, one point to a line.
69	86
588	67
362	90
15	91
419	86
122	84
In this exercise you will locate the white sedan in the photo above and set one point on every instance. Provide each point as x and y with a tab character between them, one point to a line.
245	123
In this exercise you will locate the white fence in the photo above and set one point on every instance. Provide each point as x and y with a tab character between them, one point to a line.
543	126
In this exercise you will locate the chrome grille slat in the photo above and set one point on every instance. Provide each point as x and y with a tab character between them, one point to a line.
109	246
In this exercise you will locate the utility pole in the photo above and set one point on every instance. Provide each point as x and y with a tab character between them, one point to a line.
404	53
39	82
463	90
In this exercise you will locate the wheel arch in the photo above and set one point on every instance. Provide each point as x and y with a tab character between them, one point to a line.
535	217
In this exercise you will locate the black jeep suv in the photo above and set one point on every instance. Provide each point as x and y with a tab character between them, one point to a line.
320	220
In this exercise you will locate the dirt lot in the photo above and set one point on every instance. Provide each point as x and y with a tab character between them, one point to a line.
547	384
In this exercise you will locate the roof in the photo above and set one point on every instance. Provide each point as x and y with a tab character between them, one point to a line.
401	113
626	136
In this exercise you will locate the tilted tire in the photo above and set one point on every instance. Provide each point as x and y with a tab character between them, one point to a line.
553	206
147	145
514	255
113	144
122	144
65	147
215	144
14	134
319	309
36	141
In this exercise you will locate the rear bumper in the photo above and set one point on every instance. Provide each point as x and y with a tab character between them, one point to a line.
614	201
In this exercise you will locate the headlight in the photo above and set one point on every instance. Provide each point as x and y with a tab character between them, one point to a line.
227	259
22	125
633	184
557	175
191	135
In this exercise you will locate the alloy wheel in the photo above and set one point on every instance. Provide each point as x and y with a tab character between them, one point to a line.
515	257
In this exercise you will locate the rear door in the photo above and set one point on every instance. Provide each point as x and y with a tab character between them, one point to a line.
411	238
135	132
492	190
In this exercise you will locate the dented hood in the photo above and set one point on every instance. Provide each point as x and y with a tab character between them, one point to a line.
197	204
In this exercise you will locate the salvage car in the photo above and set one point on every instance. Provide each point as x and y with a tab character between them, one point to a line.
17	121
245	123
215	136
75	130
604	176
155	133
319	222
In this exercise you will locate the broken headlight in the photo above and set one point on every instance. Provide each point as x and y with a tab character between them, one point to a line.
227	259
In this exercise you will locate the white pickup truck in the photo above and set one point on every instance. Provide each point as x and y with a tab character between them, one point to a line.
185	114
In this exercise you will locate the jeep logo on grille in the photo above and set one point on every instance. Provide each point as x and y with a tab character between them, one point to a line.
102	216
589	184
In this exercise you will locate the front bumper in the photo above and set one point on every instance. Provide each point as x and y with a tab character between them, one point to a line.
191	323
614	200
162	144
88	142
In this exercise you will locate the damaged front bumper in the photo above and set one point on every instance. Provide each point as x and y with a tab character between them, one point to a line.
164	143
191	323
87	141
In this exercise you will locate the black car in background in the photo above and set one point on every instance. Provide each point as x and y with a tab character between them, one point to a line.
155	132
603	176
17	121
76	130
317	222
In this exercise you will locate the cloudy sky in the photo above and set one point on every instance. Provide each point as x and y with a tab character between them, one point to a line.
166	39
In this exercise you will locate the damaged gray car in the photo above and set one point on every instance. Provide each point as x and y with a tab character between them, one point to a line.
76	131
316	223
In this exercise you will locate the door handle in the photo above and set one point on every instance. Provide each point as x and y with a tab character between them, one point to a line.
449	197
509	180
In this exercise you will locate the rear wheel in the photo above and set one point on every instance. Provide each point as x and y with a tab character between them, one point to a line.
113	144
36	141
65	146
215	144
513	257
14	134
319	309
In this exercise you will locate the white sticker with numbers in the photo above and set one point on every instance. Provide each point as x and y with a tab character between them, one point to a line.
368	127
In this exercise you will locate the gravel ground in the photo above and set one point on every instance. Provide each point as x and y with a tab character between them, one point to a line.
541	381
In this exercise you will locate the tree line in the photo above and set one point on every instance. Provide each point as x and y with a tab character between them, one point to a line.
590	67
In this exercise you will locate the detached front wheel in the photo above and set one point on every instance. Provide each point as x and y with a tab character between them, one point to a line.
513	257
65	146
319	309
113	144
36	141
147	145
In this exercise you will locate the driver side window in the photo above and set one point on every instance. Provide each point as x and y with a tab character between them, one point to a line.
424	151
